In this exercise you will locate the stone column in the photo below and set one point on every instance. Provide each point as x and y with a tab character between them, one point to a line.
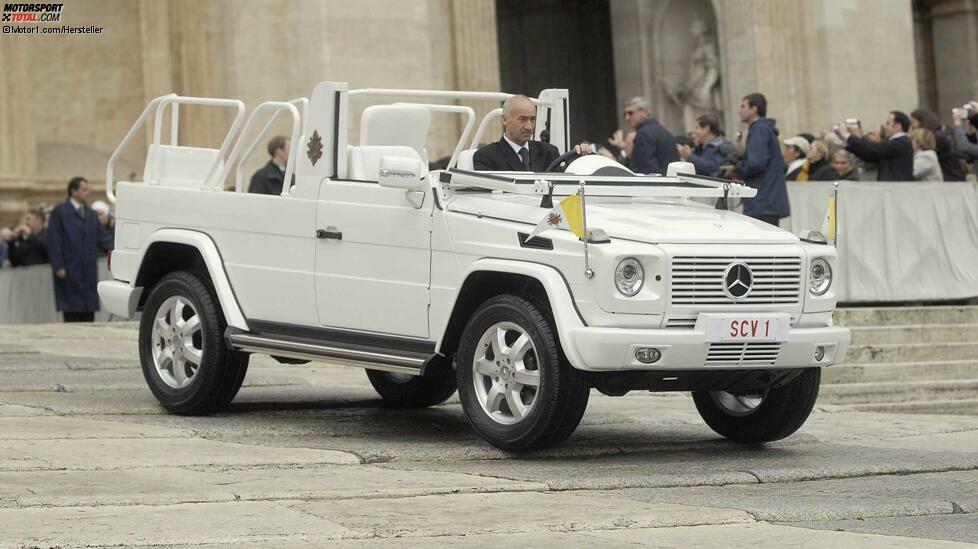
197	40
955	33
475	53
18	153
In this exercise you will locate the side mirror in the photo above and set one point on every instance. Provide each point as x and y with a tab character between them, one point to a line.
400	172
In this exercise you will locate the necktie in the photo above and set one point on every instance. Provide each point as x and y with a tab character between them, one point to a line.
525	157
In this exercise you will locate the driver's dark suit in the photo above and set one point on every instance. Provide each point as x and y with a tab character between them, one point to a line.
500	157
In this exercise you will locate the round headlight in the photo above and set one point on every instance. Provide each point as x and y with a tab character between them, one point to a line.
629	276
819	276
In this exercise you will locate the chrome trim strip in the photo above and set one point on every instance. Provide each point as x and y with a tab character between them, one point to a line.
309	351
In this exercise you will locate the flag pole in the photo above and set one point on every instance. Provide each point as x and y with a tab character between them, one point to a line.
835	214
588	273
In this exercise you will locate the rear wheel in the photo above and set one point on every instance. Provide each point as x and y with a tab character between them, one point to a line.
408	391
184	359
763	416
517	389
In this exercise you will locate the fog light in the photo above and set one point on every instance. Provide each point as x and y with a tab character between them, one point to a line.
819	353
647	355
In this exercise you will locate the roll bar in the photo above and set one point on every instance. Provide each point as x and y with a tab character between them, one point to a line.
235	157
158	107
302	104
469	122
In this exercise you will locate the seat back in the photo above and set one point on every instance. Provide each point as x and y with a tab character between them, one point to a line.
395	125
176	166
465	160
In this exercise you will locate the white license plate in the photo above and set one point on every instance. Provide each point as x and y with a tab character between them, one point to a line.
747	327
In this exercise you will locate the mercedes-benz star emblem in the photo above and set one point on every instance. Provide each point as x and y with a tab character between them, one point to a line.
738	280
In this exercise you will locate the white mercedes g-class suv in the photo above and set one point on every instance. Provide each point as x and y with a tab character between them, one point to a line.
429	281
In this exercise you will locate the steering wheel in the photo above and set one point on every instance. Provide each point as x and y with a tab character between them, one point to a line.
566	157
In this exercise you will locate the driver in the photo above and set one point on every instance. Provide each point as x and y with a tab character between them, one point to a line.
515	151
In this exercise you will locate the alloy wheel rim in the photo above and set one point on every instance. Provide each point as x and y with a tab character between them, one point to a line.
738	405
506	373
177	342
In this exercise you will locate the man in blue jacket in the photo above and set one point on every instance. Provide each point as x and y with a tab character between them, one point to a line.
74	236
713	150
654	146
762	166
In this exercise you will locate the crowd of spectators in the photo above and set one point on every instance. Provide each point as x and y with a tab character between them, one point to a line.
914	147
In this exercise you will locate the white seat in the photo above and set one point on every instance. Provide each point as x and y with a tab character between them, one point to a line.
176	166
466	160
364	162
389	130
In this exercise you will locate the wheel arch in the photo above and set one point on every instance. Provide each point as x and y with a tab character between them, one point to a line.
487	278
171	250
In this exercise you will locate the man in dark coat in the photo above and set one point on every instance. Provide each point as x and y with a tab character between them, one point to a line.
894	155
515	150
74	236
654	146
268	180
31	247
762	166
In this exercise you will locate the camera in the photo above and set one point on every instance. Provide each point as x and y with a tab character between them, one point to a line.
853	122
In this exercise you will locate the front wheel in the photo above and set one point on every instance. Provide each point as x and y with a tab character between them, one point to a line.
763	416
516	388
185	362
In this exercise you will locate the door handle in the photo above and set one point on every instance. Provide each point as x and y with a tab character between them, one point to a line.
329	232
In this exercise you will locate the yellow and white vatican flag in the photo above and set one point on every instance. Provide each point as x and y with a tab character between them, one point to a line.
568	214
830	225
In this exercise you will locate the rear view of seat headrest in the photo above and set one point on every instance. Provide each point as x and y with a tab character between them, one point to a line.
395	125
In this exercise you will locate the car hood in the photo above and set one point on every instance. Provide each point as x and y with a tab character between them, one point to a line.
646	220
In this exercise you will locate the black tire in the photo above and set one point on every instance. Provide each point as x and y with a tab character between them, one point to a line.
221	371
407	391
781	412
562	392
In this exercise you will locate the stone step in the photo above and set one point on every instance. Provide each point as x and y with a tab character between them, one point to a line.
921	333
900	371
963	407
891	392
911	352
904	316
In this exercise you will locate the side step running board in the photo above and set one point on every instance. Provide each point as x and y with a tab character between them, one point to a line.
402	363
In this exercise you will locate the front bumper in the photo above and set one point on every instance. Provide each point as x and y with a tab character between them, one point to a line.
613	349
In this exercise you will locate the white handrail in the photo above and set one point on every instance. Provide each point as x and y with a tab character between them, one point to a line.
491	115
469	122
302	103
233	159
110	166
439	94
158	106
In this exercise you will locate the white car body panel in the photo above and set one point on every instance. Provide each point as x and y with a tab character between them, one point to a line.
334	254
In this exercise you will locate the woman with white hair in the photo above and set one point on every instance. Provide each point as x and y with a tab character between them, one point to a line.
817	166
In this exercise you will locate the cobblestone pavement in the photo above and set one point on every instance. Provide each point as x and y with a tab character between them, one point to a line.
307	455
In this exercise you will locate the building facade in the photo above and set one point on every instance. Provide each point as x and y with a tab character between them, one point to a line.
66	101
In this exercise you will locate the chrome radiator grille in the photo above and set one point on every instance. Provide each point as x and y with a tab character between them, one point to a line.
698	280
743	354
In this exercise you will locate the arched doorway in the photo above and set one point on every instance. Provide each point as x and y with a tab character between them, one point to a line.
561	44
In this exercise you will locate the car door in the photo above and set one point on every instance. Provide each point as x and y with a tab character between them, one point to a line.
373	258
